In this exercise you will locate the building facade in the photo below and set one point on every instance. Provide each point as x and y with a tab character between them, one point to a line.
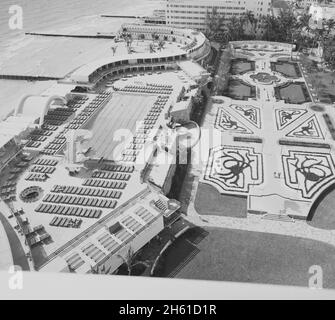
320	13
192	13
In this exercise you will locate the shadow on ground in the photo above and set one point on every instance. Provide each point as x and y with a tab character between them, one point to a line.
322	213
19	257
209	201
252	257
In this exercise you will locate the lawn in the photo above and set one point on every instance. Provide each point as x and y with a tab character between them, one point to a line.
239	90
19	256
209	201
240	66
323	82
242	256
296	93
288	69
322	214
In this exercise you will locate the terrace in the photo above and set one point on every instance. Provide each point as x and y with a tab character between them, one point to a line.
89	195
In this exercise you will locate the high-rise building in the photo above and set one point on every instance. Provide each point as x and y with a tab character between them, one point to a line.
192	13
320	13
307	3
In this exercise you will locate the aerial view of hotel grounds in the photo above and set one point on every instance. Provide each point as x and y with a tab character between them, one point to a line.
196	143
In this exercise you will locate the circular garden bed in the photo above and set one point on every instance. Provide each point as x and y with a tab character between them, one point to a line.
31	194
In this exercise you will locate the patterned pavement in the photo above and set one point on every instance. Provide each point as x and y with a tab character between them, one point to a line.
269	148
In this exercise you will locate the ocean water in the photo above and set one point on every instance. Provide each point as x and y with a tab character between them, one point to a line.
40	55
39	15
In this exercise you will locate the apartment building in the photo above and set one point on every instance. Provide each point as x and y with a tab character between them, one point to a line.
307	3
321	12
192	13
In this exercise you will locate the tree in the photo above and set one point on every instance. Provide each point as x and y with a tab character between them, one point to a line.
303	23
250	22
161	44
130	260
214	24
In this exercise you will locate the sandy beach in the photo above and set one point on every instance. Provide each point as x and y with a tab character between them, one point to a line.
56	57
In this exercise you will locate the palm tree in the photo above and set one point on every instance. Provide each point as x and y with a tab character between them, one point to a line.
271	27
303	23
130	260
248	19
161	44
214	23
235	28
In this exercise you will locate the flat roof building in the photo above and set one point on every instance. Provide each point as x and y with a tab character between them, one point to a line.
192	13
321	12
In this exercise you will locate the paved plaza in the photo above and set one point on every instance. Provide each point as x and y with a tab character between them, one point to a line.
275	153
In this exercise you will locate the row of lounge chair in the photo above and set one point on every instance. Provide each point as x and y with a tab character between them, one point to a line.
74	261
54	146
33	144
46	162
111	175
132	224
43	169
49	127
144	214
93	252
77	102
108	242
65	222
104	184
69	211
8	191
38	138
53	119
134	146
40	177
80	201
131	152
118	168
89	192
142	132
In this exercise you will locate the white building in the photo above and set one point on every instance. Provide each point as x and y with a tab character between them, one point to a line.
307	3
192	13
321	12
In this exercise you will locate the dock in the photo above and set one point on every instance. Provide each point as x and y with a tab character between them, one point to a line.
118	16
26	78
81	36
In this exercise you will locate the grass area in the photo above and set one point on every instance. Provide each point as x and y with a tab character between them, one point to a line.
209	201
322	214
240	66
296	93
19	256
323	82
242	256
239	90
288	69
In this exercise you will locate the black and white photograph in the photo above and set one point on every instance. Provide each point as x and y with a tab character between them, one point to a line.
177	143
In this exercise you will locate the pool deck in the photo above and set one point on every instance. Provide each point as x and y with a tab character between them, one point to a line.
122	111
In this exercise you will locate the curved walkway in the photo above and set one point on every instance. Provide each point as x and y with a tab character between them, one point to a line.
6	258
18	254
